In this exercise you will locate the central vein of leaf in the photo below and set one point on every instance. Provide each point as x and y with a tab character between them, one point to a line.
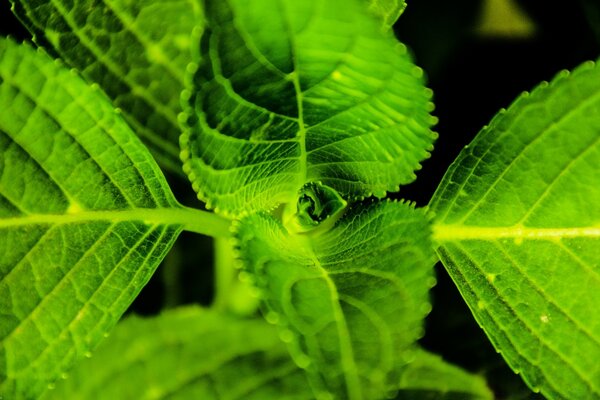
346	352
190	219
301	131
449	233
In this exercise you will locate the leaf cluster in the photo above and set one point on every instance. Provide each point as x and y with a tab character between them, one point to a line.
296	124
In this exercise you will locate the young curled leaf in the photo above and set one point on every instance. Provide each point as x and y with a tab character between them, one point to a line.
318	206
349	300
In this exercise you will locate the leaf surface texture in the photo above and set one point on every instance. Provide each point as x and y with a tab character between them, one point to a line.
290	92
137	51
81	218
518	224
349	300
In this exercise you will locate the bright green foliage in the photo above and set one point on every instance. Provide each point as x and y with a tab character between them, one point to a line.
288	92
79	228
296	112
188	353
518	221
388	10
137	51
349	300
430	377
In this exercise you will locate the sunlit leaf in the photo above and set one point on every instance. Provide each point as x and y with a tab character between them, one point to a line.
289	92
83	211
137	51
518	224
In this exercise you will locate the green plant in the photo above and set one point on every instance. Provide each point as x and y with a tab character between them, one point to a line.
299	118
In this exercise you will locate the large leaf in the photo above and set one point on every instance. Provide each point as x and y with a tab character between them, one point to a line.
85	218
351	299
429	377
518	224
289	92
188	353
137	51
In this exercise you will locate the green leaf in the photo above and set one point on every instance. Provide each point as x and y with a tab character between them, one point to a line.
349	300
430	377
388	10
318	207
518	223
137	51
187	353
85	218
290	92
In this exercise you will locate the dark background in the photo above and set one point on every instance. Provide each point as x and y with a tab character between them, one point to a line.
472	76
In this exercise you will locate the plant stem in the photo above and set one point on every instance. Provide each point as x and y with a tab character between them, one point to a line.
225	273
206	223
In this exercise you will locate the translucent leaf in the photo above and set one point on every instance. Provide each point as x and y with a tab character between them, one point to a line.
388	10
430	377
82	218
349	300
187	353
137	51
518	223
290	92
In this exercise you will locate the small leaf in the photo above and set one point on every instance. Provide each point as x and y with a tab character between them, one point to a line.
430	377
318	206
137	51
290	92
518	223
349	300
187	353
388	10
82	219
